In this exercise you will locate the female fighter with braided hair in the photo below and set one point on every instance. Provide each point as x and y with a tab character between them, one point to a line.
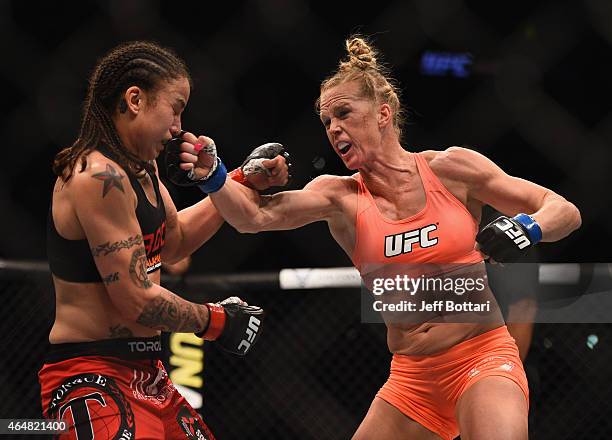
447	376
110	225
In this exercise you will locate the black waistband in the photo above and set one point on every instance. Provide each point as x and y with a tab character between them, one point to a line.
124	348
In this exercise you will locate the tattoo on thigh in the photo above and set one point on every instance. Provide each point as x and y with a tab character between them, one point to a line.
108	247
111	278
171	313
120	331
111	179
138	268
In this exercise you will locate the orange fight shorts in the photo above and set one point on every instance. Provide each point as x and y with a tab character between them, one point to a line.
426	388
116	389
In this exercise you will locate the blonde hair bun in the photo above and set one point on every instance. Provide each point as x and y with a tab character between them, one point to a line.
360	55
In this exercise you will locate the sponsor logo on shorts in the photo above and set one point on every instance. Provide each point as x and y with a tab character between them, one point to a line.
156	390
192	425
492	363
144	346
82	396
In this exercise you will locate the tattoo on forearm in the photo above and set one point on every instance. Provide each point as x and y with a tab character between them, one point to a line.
138	268
170	313
111	179
120	331
111	278
108	247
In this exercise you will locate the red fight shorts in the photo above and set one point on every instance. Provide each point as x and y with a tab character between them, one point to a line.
426	388
116	389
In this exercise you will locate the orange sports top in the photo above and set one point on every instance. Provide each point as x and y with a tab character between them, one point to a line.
444	231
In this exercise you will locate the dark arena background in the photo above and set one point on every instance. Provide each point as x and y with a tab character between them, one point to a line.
527	83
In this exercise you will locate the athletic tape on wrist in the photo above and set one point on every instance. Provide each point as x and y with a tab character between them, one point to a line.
216	181
533	229
216	322
238	176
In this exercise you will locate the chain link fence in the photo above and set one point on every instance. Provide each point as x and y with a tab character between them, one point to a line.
316	368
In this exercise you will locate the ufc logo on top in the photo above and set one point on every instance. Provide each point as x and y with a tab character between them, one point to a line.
402	243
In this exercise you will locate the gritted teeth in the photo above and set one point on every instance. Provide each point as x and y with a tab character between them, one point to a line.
343	147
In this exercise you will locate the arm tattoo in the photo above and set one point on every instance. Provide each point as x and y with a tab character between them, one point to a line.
111	278
120	331
169	312
108	247
138	268
111	179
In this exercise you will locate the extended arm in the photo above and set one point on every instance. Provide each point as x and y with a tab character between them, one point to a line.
245	209
248	211
190	228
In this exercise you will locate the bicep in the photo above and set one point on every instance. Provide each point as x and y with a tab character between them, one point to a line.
292	209
116	243
511	195
491	185
188	229
173	232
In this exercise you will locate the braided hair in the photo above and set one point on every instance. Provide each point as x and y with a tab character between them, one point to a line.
376	83
139	63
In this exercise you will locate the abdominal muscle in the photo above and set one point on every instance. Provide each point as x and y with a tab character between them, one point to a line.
431	338
430	332
85	312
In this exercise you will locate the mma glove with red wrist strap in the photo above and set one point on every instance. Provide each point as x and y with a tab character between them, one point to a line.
253	164
235	325
507	239
216	178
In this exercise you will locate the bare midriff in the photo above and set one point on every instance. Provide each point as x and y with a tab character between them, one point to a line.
85	312
431	338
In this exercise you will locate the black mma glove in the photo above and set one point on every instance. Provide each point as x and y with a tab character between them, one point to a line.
234	324
253	164
507	239
210	183
182	177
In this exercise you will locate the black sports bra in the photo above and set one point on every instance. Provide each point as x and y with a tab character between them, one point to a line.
72	260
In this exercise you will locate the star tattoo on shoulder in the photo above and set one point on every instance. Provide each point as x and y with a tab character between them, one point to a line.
111	179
